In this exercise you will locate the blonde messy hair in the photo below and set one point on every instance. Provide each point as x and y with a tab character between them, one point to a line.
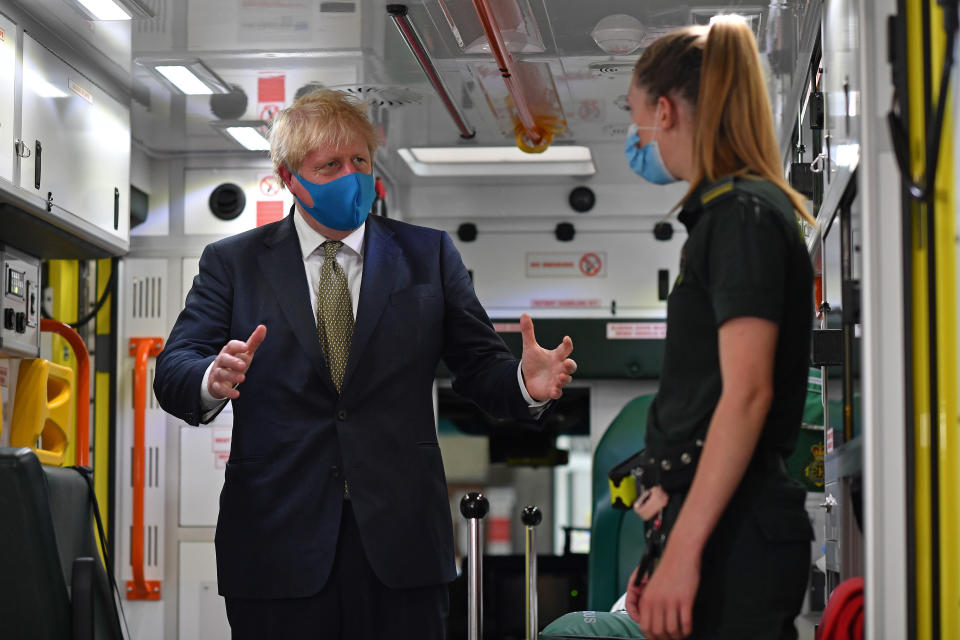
733	132
321	119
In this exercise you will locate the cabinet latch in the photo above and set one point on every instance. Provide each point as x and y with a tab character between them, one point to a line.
21	149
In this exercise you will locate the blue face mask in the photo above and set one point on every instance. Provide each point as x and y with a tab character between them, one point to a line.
341	204
646	160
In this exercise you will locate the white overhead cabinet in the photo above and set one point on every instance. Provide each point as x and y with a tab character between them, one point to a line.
8	59
78	139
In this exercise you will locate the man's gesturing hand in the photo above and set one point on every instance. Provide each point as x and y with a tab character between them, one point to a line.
230	367
545	373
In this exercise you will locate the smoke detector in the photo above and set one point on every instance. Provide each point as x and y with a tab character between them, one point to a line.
619	34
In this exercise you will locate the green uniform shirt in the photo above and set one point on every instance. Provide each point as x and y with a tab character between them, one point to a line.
744	256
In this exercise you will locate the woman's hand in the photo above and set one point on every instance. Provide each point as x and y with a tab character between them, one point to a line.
651	503
663	607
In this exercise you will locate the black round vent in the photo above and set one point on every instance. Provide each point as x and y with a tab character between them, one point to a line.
227	201
467	232
663	231
564	232
582	199
229	106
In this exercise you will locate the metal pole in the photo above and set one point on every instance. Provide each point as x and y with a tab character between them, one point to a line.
474	507
531	517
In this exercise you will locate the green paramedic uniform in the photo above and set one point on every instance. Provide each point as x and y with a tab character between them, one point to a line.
744	256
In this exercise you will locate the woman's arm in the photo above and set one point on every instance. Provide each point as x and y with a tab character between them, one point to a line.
664	607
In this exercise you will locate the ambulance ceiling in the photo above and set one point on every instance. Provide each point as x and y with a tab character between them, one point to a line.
271	49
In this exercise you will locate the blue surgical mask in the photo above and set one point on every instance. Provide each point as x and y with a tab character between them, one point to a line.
341	204
646	160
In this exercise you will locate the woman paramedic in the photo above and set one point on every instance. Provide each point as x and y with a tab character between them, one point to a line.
737	538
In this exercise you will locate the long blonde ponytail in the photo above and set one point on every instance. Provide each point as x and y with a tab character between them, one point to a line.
736	137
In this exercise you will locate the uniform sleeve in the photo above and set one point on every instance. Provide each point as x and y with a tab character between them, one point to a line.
746	262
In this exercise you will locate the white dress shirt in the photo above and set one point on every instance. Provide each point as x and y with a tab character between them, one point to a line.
350	258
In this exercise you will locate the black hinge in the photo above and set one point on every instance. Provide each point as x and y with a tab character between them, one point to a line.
116	209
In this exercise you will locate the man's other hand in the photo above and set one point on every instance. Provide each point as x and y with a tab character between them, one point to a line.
545	373
231	364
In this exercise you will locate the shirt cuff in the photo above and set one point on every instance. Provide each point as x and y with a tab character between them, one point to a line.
208	403
526	396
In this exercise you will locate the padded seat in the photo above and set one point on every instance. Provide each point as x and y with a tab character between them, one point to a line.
49	553
616	538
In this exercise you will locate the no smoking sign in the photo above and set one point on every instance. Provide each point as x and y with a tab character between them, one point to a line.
591	264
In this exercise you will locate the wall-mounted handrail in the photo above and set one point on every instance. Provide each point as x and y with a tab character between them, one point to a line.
399	14
508	69
142	349
82	443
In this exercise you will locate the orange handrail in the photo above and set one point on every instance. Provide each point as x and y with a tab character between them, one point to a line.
141	349
83	385
498	47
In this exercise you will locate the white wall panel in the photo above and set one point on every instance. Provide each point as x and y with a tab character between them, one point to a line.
202	610
625	264
142	312
259	187
203	457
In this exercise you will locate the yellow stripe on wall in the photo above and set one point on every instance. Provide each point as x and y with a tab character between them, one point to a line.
948	455
921	334
101	425
64	280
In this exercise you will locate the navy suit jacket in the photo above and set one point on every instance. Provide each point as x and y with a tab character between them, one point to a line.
295	439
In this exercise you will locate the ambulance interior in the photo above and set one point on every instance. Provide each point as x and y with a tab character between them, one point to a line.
115	175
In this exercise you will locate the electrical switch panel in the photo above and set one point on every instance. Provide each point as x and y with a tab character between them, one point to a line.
19	304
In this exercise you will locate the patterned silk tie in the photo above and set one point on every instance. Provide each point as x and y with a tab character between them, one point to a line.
334	313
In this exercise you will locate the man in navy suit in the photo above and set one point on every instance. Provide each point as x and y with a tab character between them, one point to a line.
325	330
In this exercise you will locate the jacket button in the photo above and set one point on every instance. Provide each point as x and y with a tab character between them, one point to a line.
341	415
334	471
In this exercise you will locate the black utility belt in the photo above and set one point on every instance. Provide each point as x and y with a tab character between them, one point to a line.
672	469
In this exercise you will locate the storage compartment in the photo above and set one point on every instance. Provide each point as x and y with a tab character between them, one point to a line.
78	140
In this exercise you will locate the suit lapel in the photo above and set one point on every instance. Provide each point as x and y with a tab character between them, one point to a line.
282	265
379	256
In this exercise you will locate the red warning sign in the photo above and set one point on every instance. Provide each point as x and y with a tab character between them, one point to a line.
591	264
271	89
566	264
269	186
269	111
636	330
269	211
3	36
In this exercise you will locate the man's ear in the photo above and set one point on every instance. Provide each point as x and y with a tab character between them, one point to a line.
285	175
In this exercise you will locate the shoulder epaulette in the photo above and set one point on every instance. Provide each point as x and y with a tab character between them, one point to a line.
717	190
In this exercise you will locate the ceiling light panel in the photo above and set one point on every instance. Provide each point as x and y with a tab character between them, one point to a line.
458	166
190	77
250	134
184	80
462	155
104	9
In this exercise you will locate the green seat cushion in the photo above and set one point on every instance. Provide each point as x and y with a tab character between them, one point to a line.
596	625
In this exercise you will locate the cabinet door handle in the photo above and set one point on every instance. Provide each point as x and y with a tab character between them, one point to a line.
116	209
37	164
